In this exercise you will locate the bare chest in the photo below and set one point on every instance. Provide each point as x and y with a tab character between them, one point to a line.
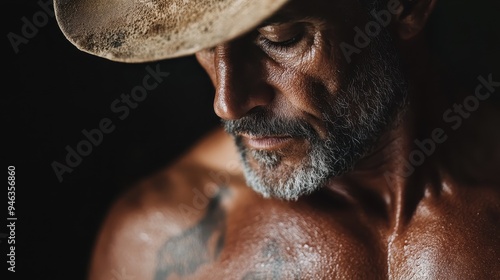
268	242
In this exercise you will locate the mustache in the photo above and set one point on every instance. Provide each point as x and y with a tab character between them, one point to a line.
261	124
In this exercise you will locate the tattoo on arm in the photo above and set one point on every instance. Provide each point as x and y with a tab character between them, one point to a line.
184	254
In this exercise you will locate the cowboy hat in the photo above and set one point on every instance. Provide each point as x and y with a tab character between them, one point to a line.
136	31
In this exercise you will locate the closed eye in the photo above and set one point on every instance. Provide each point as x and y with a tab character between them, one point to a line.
280	45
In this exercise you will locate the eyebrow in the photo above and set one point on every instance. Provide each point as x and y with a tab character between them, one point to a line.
287	17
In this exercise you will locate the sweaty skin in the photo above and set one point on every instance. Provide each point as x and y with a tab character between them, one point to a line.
385	219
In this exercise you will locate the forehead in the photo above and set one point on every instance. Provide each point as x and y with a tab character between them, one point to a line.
323	10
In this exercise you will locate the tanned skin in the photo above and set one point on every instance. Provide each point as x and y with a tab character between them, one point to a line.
198	219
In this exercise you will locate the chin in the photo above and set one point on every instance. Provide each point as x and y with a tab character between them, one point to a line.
273	175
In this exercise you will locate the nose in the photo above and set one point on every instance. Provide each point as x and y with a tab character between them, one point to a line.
240	82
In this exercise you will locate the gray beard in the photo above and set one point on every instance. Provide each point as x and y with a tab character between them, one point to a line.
305	178
355	117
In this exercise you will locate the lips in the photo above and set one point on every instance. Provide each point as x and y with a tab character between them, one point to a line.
266	142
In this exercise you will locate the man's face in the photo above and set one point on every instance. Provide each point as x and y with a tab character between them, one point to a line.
300	113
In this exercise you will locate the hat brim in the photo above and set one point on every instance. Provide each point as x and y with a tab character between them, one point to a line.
135	31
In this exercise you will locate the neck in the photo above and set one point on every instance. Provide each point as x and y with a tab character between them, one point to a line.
392	179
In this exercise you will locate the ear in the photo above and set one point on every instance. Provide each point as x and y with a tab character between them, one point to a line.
412	17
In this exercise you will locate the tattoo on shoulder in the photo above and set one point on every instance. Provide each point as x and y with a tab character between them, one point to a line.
185	253
274	265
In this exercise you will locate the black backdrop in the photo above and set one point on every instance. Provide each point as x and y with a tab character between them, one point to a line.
52	91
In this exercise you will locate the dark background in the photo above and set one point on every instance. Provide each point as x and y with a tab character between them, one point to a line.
52	91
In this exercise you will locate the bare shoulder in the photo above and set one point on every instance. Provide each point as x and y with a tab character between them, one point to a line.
181	204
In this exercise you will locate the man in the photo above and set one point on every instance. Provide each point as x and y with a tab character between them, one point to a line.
334	161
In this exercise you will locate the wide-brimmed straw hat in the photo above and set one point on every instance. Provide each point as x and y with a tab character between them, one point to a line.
148	30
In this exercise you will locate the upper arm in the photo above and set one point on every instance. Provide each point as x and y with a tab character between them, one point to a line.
127	242
155	227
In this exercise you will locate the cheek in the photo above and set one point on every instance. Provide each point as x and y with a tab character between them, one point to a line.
308	83
329	63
